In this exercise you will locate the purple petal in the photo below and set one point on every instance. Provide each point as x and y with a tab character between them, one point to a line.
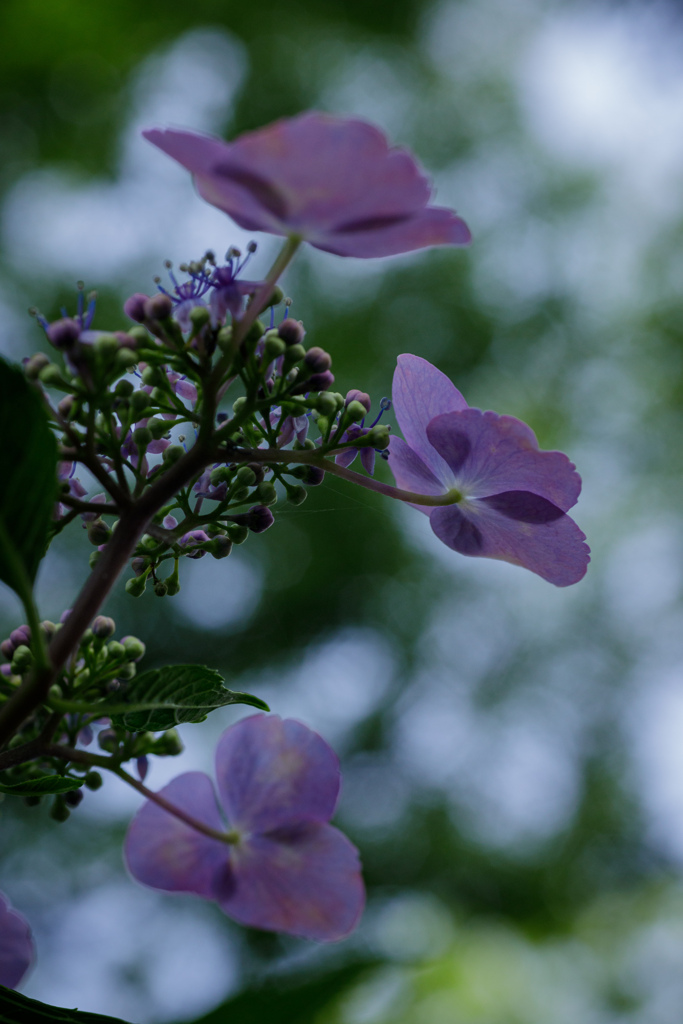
553	549
503	456
346	457
305	881
434	225
273	773
163	852
420	392
186	389
410	472
16	945
367	457
157	447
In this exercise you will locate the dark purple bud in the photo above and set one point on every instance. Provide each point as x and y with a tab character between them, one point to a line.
139	565
318	382
126	340
7	648
291	331
107	740
35	364
134	307
259	518
258	471
21	636
74	797
310	475
158	307
63	333
354	395
6	670
103	627
317	359
142	765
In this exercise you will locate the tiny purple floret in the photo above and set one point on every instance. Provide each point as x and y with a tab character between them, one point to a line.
289	870
513	497
334	182
16	945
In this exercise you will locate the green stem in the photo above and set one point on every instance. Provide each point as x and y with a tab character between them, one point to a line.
110	765
308	458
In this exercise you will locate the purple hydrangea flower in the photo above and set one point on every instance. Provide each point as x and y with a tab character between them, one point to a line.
332	181
514	498
17	951
288	870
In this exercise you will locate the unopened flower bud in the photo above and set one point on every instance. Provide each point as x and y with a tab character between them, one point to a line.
139	402
142	437
160	589
379	436
93	780
239	404
310	475
221	547
103	627
125	358
107	740
158	307
20	635
326	404
355	411
291	331
124	389
73	797
173	453
199	317
152	375
35	364
266	493
65	406
63	333
273	348
354	395
224	338
22	660
51	376
94	558
237	532
296	494
169	744
317	359
98	532
115	651
276	297
48	629
256	331
59	811
246	476
7	648
134	307
134	648
318	382
294	354
136	586
139	565
157	427
105	346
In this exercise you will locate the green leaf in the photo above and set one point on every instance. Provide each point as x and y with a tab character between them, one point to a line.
28	479
167	696
18	1009
42	786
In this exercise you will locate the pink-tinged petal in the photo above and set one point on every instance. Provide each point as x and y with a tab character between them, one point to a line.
17	951
419	393
410	472
305	881
554	549
163	852
489	454
390	236
273	773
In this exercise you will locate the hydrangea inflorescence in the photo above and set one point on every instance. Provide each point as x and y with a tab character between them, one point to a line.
177	434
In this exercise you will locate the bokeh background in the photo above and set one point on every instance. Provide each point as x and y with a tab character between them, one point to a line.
512	753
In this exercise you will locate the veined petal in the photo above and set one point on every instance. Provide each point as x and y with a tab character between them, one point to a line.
163	852
273	773
305	881
419	393
489	454
16	945
553	549
410	472
434	225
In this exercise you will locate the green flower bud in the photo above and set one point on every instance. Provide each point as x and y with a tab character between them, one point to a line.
142	437
172	585
240	494
35	364
326	404
255	332
237	533
56	691
221	475
245	476
158	427
134	648
125	358
59	811
273	348
93	780
139	402
115	650
151	375
105	346
138	334
199	317
52	378
94	558
221	547
239	404
160	589
136	586
124	389
296	494
266	493
276	297
169	745
224	338
98	532
379	436
173	453
294	354
22	660
159	395
355	411
126	671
